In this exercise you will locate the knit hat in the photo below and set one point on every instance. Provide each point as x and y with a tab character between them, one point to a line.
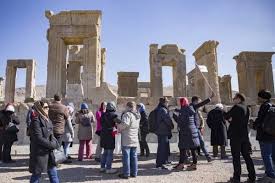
264	94
184	102
84	106
141	107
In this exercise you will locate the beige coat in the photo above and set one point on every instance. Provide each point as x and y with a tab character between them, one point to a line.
129	129
85	132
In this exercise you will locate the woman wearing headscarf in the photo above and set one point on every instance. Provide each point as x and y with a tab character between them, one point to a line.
188	134
143	130
42	144
85	119
98	115
216	122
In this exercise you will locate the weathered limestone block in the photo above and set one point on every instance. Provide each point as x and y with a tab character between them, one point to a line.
103	62
144	89
206	55
254	73
74	76
225	89
127	84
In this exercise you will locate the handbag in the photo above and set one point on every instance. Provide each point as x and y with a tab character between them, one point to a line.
59	156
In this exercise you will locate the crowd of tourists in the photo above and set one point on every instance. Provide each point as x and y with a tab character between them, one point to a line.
51	128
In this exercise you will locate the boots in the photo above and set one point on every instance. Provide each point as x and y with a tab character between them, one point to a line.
147	151
192	167
179	166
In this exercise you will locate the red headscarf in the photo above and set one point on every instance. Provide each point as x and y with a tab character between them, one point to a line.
184	102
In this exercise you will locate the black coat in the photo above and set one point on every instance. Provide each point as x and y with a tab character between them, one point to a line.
143	125
107	139
216	122
188	132
237	130
42	145
7	137
261	135
164	122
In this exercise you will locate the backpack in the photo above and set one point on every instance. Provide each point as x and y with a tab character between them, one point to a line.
152	121
269	121
86	121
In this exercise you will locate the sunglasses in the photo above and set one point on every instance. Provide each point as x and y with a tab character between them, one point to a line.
46	107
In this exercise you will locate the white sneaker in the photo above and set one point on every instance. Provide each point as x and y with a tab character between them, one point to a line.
111	171
102	170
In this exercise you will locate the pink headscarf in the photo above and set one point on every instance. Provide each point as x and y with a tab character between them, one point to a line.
184	102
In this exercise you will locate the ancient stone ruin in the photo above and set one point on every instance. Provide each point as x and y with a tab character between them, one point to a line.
206	55
254	73
76	71
11	68
168	55
69	28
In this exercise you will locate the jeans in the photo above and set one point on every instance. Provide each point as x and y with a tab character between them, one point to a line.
107	159
88	144
163	150
98	148
66	148
239	147
183	156
266	151
202	145
130	161
52	173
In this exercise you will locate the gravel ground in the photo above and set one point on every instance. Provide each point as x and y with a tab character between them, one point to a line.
218	171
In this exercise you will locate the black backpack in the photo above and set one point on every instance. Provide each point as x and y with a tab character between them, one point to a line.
269	121
152	121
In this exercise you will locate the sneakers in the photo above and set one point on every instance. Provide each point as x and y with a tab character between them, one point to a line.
192	167
224	157
161	168
209	159
168	162
123	176
179	166
102	170
111	171
250	181
232	180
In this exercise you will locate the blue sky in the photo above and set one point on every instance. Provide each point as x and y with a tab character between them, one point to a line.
129	27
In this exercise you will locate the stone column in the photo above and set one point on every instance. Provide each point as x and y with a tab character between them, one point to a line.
225	89
179	77
10	83
57	66
103	61
155	72
91	66
1	89
206	55
30	80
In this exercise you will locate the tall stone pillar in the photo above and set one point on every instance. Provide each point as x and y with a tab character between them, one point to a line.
155	72
206	55
103	61
10	83
225	89
30	80
1	89
91	66
179	77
